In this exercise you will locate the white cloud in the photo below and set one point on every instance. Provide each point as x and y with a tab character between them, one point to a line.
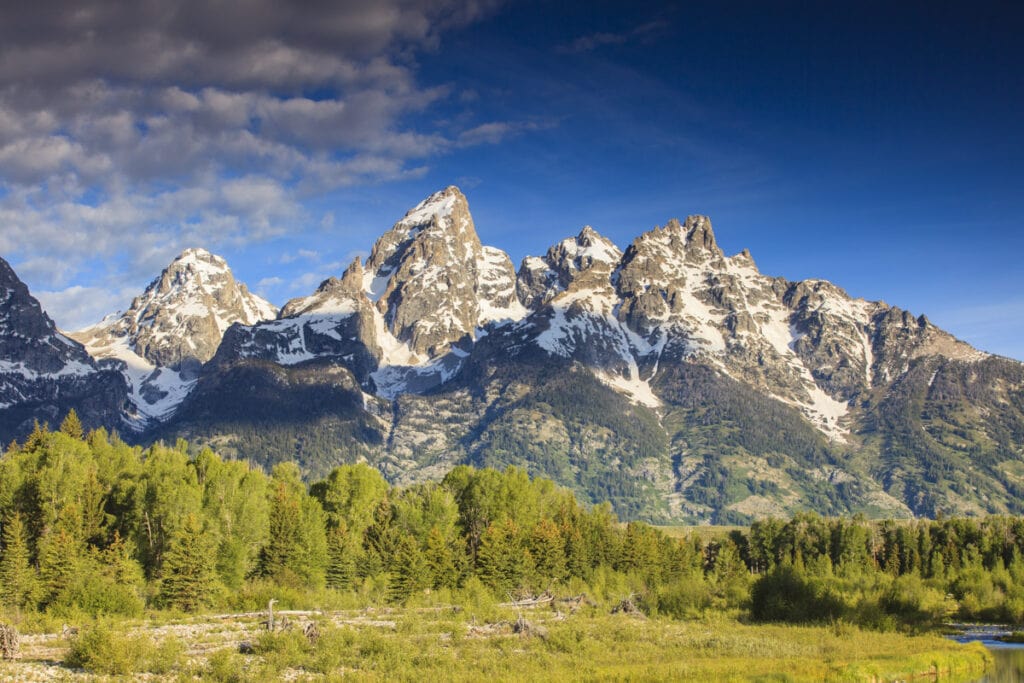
128	132
267	284
77	307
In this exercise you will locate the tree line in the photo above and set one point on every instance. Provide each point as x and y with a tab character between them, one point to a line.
91	525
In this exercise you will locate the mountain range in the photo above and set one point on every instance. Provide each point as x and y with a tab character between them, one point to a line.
681	384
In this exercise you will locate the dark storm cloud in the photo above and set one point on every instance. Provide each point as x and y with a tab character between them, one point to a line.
238	43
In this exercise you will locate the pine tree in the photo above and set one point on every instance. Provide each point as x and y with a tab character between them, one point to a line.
36	438
548	551
409	574
501	562
341	560
278	558
17	578
440	560
72	426
59	560
577	557
189	574
296	551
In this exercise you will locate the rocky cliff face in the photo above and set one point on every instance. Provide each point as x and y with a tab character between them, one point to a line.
44	373
423	275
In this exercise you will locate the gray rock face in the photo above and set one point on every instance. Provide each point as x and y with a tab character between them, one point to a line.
336	323
28	338
424	274
496	288
179	320
43	373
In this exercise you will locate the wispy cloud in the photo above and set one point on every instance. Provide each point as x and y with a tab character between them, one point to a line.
593	41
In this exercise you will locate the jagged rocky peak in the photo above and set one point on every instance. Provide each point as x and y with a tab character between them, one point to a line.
334	295
337	323
587	253
584	261
179	320
43	373
424	274
29	341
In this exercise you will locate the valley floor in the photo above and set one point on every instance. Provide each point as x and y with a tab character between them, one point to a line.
490	643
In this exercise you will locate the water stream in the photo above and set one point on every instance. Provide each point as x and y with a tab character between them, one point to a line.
1009	664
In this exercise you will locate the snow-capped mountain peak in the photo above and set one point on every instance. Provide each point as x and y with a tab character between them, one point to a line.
173	327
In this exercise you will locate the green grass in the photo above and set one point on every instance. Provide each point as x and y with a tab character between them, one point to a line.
470	644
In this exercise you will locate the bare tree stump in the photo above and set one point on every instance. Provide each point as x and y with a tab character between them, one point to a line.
628	607
10	642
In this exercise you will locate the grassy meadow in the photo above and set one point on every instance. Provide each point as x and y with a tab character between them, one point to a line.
481	642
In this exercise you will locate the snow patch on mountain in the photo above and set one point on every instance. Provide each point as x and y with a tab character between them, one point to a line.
154	392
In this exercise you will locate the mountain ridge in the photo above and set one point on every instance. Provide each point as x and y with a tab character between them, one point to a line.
681	383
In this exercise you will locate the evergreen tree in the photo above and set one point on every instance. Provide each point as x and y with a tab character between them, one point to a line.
440	558
37	437
548	552
341	557
189	576
72	426
17	578
59	561
409	574
501	560
280	555
577	551
296	550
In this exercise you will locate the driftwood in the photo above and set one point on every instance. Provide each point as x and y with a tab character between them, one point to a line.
312	632
525	628
628	607
10	642
68	632
544	598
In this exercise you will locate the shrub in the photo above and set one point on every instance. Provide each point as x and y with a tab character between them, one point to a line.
100	650
224	666
284	649
96	595
786	595
166	656
684	598
332	649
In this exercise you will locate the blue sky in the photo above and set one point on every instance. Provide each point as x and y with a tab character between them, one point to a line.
877	145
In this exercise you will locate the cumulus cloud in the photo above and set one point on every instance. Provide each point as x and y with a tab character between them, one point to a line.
129	131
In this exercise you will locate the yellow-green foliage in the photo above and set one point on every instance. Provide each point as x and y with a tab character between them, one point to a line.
439	645
103	648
